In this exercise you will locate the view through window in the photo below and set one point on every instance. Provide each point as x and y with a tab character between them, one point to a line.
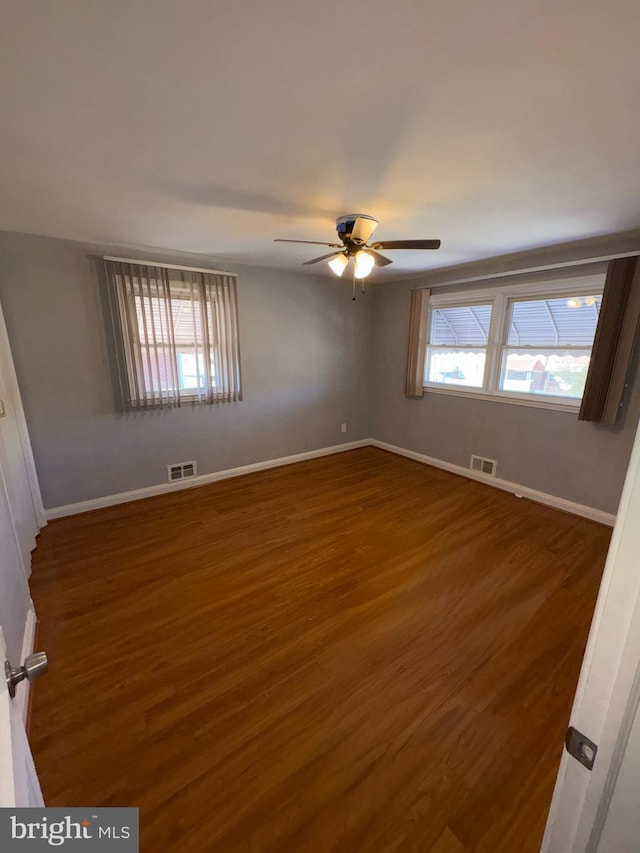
549	345
458	345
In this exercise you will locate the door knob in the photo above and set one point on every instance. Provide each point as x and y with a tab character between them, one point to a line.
34	666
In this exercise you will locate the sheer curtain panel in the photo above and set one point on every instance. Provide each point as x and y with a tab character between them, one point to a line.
418	317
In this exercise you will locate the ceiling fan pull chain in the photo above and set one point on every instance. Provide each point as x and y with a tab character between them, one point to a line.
353	297
362	286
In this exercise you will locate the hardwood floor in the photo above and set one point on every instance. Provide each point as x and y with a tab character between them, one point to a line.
355	653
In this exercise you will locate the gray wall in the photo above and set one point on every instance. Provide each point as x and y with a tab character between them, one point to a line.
546	450
305	360
311	359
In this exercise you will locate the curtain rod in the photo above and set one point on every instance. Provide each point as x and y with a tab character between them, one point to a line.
167	266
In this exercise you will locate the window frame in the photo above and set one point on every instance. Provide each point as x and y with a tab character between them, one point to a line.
501	298
178	290
467	303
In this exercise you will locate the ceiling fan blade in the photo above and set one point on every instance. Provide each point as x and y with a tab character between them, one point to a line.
407	244
380	260
363	229
308	242
323	258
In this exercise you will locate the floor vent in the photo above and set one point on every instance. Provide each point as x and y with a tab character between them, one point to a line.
483	465
181	471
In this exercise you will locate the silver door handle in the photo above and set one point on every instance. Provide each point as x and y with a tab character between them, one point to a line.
35	665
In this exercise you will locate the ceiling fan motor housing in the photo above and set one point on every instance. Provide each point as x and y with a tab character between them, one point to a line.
345	226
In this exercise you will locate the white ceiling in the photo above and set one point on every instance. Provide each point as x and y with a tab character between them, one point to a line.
216	125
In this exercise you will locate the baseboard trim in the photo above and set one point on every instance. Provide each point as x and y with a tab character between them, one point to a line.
506	486
164	488
203	480
28	640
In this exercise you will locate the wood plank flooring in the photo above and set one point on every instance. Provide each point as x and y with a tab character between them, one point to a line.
355	653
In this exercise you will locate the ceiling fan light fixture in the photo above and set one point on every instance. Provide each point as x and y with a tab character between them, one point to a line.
354	232
338	264
364	263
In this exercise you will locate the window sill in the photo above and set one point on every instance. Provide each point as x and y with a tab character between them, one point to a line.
570	408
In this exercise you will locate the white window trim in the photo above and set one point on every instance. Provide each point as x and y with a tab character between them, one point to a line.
500	297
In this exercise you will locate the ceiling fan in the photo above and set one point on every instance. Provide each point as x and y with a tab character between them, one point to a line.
354	230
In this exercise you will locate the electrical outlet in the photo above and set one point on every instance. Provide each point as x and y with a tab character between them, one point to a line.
344	427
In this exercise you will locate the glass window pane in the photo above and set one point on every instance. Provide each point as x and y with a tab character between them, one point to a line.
153	320
568	321
192	370
455	367
465	326
158	328
157	371
555	374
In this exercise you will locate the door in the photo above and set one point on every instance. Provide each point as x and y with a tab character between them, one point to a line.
16	457
18	781
19	785
621	828
21	515
595	809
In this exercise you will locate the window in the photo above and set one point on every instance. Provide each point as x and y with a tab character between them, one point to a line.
176	334
521	343
548	345
457	350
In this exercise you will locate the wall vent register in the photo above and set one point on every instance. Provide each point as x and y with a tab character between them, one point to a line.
181	471
483	465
